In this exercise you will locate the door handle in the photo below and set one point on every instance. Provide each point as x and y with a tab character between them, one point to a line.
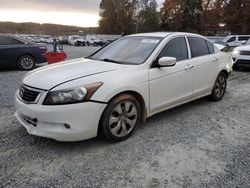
187	67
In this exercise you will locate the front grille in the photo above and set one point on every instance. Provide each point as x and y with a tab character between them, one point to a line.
244	52
27	94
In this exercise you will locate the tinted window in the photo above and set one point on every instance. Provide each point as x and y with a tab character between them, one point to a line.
210	47
175	48
198	46
232	39
243	38
9	41
15	41
5	40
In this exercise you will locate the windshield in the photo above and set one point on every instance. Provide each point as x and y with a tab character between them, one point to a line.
128	50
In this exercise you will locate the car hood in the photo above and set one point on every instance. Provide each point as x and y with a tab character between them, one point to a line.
245	47
219	46
50	76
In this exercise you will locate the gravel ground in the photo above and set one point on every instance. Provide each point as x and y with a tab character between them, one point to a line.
200	144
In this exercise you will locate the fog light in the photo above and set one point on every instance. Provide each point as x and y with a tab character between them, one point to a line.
67	126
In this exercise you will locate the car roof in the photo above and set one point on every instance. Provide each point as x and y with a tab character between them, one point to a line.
166	34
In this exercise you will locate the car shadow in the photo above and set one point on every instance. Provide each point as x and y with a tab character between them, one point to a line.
100	141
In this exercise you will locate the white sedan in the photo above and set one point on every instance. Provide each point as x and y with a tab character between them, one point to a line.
118	87
241	57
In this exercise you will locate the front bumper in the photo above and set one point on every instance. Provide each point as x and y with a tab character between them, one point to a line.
241	61
53	121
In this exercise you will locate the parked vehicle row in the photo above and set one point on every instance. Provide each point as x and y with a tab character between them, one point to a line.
114	92
76	40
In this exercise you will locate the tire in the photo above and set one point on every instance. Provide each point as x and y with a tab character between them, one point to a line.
235	67
26	63
219	88
120	118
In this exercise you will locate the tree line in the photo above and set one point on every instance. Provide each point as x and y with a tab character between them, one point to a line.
208	17
49	29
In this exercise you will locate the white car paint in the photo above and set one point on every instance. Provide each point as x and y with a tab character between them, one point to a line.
219	46
236	40
241	56
160	88
72	40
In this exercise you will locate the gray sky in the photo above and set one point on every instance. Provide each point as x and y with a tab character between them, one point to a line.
65	12
88	6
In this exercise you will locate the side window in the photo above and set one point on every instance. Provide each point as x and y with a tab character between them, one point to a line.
244	38
5	40
210	47
198	46
232	39
177	48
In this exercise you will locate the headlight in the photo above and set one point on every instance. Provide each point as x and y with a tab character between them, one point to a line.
72	95
236	52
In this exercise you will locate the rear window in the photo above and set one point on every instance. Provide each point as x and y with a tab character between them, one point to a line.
5	40
210	47
198	46
15	41
243	38
9	41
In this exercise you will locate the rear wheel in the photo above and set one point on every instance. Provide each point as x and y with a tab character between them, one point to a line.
26	63
120	118
219	88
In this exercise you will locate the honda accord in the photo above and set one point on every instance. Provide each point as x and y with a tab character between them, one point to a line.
115	89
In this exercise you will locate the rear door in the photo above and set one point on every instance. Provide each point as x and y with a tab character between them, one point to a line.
171	85
205	62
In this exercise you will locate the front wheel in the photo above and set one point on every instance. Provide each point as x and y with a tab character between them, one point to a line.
219	88
26	63
120	118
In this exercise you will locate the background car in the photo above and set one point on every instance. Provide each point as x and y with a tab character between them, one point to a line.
76	40
241	57
90	41
17	52
99	42
236	40
64	39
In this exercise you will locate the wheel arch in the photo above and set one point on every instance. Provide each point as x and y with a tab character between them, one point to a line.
138	97
224	71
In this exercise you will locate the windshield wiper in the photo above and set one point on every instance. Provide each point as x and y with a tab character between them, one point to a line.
112	61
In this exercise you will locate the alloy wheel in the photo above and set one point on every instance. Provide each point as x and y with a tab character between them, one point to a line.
27	63
220	86
123	119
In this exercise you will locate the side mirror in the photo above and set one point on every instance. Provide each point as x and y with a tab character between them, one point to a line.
166	62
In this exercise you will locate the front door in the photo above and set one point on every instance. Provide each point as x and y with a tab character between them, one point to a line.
171	85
